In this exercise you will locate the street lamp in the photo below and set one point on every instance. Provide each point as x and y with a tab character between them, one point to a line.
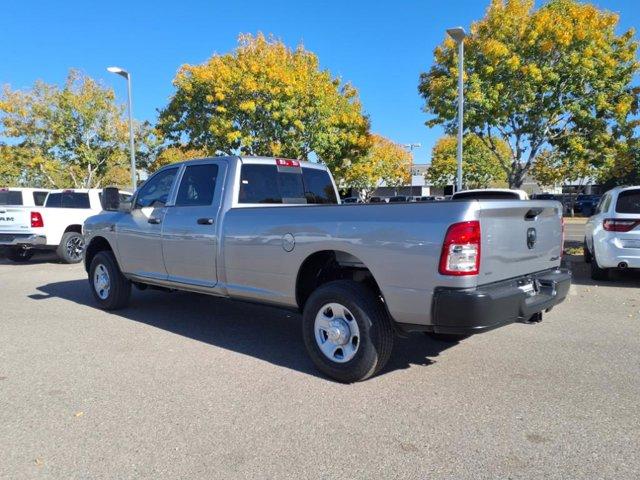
458	34
410	147
127	75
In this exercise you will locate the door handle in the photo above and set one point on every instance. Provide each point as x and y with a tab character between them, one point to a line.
154	220
205	221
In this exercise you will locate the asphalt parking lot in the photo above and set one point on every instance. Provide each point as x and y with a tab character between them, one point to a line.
187	386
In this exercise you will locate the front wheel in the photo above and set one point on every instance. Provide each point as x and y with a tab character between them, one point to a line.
598	273
71	248
347	331
109	286
19	255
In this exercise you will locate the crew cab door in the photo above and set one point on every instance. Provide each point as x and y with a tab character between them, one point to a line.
139	234
190	230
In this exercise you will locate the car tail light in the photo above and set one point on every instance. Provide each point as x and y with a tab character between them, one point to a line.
283	162
461	249
619	225
36	220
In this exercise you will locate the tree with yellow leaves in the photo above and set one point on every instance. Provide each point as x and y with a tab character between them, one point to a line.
69	136
557	78
266	99
386	162
480	167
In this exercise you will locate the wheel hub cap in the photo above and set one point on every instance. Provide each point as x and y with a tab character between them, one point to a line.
101	282
336	332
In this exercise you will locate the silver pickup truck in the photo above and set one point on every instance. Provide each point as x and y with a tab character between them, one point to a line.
272	231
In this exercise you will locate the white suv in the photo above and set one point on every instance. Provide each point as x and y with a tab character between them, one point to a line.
612	234
56	225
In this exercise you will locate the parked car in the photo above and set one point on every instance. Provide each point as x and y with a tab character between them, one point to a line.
612	234
270	231
401	199
586	204
56	225
22	197
490	194
378	200
351	200
547	196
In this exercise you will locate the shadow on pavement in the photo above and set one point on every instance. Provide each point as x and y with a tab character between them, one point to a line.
38	257
270	334
617	278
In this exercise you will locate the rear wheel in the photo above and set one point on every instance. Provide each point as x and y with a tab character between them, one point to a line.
598	273
19	255
109	286
585	251
71	248
347	331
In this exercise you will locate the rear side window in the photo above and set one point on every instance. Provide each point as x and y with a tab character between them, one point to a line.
39	198
8	197
68	200
318	186
265	184
487	196
628	201
197	186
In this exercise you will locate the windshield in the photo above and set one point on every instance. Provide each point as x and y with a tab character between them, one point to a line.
628	201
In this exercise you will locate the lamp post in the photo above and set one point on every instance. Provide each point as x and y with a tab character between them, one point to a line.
410	147
127	75
458	34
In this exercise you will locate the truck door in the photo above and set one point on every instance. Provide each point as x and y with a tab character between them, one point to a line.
139	233
190	230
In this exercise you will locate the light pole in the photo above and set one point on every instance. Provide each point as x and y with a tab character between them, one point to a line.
410	147
127	75
458	35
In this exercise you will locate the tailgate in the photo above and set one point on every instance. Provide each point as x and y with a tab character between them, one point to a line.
519	238
15	219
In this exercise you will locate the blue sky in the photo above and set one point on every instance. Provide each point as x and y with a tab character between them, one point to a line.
379	46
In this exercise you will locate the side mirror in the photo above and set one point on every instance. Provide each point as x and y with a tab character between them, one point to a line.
111	199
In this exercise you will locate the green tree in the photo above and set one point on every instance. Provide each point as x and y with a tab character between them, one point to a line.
174	154
480	167
386	162
69	136
266	99
556	78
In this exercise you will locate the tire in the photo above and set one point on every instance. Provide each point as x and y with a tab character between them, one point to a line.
446	337
113	291
19	255
71	248
358	309
585	252
598	273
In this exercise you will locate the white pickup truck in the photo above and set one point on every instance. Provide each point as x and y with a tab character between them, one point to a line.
55	225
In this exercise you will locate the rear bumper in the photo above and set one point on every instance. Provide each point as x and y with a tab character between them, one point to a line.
22	239
610	252
477	310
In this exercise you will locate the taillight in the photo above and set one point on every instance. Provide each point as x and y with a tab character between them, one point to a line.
619	225
36	220
461	249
